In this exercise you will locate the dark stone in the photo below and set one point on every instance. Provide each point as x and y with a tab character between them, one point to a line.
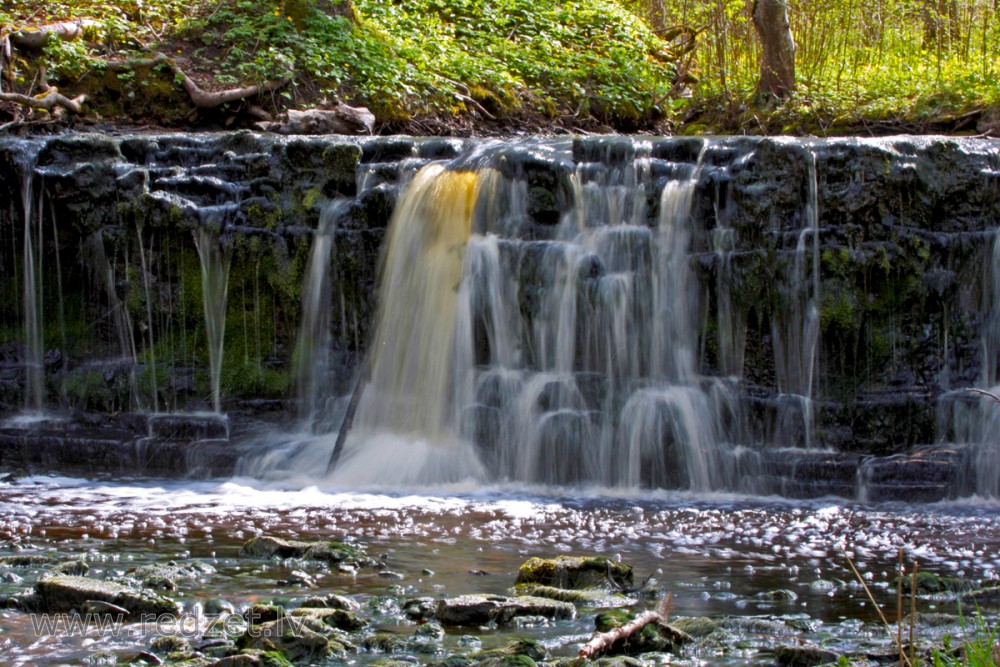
476	610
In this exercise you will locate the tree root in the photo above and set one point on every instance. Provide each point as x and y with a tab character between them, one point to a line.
66	31
53	99
200	97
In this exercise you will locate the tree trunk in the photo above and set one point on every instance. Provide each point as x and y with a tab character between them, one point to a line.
777	69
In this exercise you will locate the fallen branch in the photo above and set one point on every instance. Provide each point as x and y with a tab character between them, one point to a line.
603	641
984	393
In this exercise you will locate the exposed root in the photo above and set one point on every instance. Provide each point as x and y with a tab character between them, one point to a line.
35	38
53	99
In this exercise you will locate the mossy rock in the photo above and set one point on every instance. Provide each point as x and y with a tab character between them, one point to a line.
340	619
519	653
590	597
929	583
652	638
27	560
64	593
292	640
263	613
575	572
266	546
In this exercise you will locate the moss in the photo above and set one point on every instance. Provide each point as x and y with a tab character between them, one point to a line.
573	572
310	197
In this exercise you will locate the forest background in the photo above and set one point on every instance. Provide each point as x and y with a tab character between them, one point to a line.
503	66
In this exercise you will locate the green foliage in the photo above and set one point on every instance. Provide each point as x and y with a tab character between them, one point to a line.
979	647
859	62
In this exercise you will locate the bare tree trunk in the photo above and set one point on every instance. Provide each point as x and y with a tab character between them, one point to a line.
777	69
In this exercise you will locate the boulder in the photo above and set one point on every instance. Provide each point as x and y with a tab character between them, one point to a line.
575	572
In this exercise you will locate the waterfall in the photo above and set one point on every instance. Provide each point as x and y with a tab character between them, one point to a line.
312	349
796	330
34	364
408	413
215	260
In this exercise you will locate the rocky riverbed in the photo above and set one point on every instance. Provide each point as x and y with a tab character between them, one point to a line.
242	573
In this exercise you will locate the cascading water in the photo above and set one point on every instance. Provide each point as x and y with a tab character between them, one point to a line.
569	360
592	310
416	378
796	331
34	395
215	262
312	349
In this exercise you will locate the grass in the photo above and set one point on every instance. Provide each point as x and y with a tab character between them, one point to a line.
978	645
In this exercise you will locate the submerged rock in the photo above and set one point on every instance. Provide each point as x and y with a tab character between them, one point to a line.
485	609
576	572
63	593
266	546
592	597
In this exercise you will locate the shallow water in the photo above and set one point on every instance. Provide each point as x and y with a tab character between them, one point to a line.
719	556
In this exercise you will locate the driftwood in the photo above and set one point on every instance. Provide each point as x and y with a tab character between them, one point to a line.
604	641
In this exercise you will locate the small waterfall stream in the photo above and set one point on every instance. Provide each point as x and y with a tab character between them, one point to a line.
215	263
32	258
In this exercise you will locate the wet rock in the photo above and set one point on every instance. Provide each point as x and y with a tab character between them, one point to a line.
591	597
335	618
330	552
929	583
420	609
484	609
332	601
26	560
384	642
63	593
253	658
218	606
696	626
172	648
75	567
654	637
164	576
804	655
292	639
575	572
520	653
426	638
